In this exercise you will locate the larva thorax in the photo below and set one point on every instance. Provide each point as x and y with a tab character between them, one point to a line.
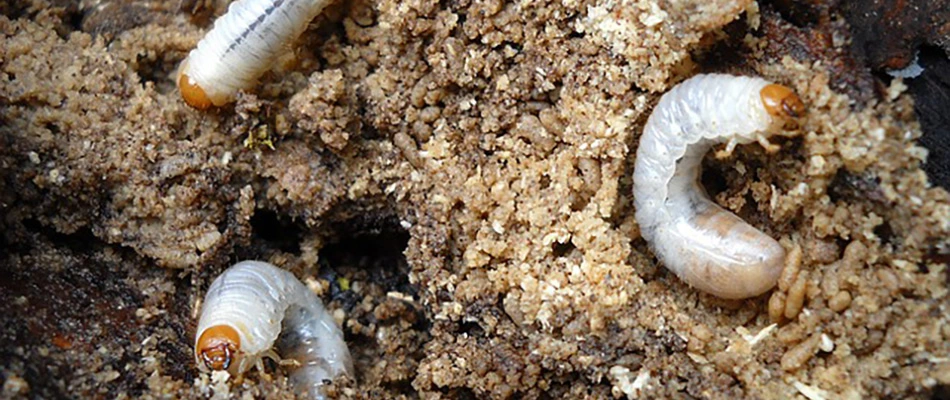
242	46
705	245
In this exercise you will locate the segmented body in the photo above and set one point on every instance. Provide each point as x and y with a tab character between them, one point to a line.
241	46
706	246
253	304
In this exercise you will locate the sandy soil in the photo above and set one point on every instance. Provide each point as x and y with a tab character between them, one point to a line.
454	179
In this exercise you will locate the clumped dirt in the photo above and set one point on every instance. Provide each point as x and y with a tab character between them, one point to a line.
454	179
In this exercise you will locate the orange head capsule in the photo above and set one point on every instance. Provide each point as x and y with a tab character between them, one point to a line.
191	91
781	101
218	346
193	94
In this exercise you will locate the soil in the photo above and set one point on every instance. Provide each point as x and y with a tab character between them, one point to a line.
454	180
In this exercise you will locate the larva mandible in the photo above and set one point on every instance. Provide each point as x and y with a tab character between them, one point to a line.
253	304
240	47
710	248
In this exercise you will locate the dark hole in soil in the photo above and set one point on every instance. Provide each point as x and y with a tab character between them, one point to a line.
562	249
713	180
369	250
375	248
277	232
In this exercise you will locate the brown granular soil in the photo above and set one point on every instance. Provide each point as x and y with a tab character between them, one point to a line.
454	179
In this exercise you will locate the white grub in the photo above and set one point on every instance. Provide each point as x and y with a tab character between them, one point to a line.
242	46
252	305
708	247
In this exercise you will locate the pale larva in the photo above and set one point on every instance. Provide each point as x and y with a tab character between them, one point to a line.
706	246
252	303
240	47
